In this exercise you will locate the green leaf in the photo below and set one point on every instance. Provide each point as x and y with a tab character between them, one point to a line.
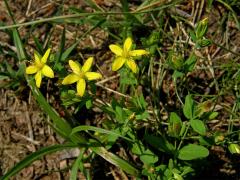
89	104
18	43
60	48
192	151
175	125
183	129
203	43
188	108
67	52
159	143
34	156
206	141
142	116
190	63
94	5
120	114
39	46
213	115
115	160
148	157
177	74
96	129
234	148
198	126
137	148
74	169
193	36
127	77
201	28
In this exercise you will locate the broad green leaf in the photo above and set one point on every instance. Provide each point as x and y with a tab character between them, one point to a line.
234	148
206	141
137	148
148	157
34	156
177	175
198	126
192	151
186	170
188	108
159	143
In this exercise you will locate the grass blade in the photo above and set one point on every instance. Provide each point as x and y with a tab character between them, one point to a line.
34	156
75	166
99	130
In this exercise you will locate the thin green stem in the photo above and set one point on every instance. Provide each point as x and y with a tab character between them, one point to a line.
184	135
176	91
50	19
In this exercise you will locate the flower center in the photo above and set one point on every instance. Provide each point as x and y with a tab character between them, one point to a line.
39	65
81	75
125	54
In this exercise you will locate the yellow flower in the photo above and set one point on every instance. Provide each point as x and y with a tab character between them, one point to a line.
80	75
40	68
125	55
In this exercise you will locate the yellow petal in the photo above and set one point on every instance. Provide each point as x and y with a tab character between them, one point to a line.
93	75
47	71
132	65
37	58
38	79
71	78
45	56
31	69
116	49
87	65
139	52
74	66
81	85
127	44
118	63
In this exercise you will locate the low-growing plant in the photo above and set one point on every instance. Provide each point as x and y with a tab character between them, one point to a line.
173	146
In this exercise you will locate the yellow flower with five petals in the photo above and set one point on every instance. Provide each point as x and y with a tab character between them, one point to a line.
40	68
80	75
125	55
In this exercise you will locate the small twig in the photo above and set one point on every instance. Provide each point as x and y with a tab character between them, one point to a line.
116	92
29	6
26	138
108	79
